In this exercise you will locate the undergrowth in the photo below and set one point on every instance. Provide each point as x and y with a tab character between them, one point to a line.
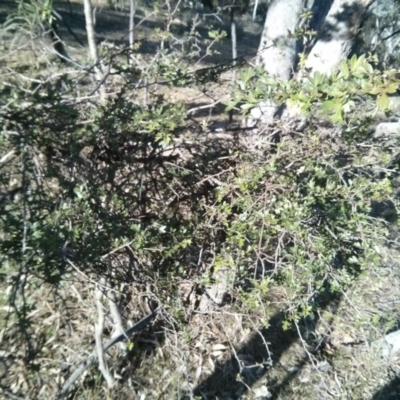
149	199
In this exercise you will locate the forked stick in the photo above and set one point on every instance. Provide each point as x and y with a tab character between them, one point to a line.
88	362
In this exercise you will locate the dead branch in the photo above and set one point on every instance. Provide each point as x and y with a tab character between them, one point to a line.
99	341
89	361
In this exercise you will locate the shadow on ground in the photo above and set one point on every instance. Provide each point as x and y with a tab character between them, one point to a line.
266	347
391	391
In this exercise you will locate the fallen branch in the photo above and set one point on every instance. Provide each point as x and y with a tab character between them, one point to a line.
89	361
99	341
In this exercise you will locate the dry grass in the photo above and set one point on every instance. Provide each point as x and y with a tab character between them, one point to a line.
226	353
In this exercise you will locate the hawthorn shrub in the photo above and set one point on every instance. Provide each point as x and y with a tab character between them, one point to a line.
138	194
300	213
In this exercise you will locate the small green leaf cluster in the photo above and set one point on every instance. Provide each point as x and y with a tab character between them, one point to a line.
335	96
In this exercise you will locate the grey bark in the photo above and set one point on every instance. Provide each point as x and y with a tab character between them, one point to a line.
338	22
277	50
215	294
132	26
335	40
99	328
234	49
91	37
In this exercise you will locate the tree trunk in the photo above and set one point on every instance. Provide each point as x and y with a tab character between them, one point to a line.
91	37
131	28
337	35
234	49
338	23
277	51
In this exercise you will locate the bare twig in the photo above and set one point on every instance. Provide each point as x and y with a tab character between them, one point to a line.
7	157
116	315
86	276
194	109
117	249
391	35
89	361
99	327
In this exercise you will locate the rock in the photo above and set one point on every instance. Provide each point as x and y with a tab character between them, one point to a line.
323	366
262	392
389	346
387	129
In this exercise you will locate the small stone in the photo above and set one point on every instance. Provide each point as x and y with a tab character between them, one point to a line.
389	346
262	392
323	366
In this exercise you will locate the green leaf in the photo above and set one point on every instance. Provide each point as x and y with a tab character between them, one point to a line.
247	106
377	90
383	101
392	87
344	70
